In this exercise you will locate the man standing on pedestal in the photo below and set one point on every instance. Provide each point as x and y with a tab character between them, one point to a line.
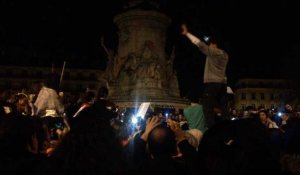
214	97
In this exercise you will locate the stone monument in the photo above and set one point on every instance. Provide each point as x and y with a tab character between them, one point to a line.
140	70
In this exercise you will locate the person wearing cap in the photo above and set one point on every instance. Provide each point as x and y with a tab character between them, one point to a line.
215	80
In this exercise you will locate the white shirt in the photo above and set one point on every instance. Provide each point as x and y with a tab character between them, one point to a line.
48	104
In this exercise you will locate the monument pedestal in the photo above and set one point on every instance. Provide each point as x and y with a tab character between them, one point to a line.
141	69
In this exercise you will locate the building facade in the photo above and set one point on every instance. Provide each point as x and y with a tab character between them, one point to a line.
74	80
267	93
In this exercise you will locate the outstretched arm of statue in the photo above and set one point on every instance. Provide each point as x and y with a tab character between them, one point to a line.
109	52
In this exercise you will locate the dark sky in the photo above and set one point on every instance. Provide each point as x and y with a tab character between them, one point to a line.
261	38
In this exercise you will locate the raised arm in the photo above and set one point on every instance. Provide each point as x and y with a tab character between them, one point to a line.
151	123
195	40
204	48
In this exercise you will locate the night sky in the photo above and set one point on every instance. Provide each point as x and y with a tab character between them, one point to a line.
262	38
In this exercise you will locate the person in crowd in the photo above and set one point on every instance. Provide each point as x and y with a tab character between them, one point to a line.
240	147
91	147
88	101
18	146
195	115
162	143
7	101
102	107
266	120
215	80
290	160
50	110
22	104
195	118
183	122
47	103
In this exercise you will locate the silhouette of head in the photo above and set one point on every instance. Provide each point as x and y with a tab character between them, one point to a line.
161	142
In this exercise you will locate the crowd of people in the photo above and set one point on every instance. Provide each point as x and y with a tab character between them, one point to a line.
90	136
44	131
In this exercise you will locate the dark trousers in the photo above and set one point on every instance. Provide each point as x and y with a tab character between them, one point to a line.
214	99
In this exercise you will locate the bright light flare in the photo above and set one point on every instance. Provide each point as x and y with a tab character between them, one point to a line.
134	120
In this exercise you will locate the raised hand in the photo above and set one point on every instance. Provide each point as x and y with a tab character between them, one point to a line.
150	124
184	29
175	127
